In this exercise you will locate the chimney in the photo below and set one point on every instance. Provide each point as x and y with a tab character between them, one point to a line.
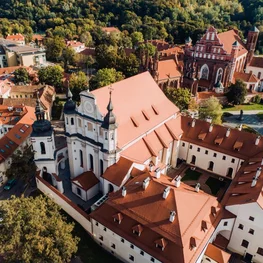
257	140
208	119
166	192
258	172
254	182
240	127
211	127
193	123
124	191
157	173
228	132
197	187
151	167
172	216
178	181
145	183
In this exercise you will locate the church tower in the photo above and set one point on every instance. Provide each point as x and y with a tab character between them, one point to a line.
43	142
252	39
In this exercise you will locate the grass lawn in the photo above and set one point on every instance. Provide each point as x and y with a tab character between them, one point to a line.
191	175
214	184
249	106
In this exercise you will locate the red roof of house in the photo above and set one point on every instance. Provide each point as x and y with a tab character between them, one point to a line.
217	254
111	29
88	52
148	209
16	37
228	38
256	62
74	43
246	77
168	69
86	180
38	37
148	106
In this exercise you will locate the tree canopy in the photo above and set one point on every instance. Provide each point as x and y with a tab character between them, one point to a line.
211	108
33	230
180	97
21	76
51	75
77	83
105	77
237	92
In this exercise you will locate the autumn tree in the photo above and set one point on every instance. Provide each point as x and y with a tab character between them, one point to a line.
237	92
77	83
211	108
33	230
105	77
68	57
54	48
21	76
51	75
180	97
22	166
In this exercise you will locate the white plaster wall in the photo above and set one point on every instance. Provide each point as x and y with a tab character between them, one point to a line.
122	250
243	213
65	206
93	191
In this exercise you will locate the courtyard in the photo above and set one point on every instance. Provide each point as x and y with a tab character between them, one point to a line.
210	183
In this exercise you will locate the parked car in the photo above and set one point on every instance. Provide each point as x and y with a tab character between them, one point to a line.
10	184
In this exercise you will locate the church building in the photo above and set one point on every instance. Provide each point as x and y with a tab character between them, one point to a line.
210	64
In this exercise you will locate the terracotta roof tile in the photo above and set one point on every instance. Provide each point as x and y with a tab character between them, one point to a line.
16	37
217	254
110	29
168	69
228	38
256	62
86	180
116	173
246	77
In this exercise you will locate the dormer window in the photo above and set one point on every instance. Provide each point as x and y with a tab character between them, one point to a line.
137	230
204	226
161	243
117	218
193	243
238	145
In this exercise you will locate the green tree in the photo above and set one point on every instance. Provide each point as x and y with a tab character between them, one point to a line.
180	97
68	57
211	108
128	65
21	75
54	48
193	105
51	75
105	77
22	166
237	92
137	37
77	83
33	230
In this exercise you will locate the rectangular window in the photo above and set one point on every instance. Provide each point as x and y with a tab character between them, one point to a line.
113	246
241	226
90	126
225	223
245	243
79	122
260	251
105	229
251	218
198	149
78	191
206	152
101	131
97	224
183	144
215	154
122	240
101	237
191	147
142	253
251	231
233	161
131	258
224	157
152	259
132	246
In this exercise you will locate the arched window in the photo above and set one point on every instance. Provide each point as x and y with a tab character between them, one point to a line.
72	121
81	158
208	48
101	167
219	75
43	148
229	172
204	72
193	159
211	166
91	167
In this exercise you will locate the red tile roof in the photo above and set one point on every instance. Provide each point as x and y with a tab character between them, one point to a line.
9	70
246	77
116	173
146	96
110	29
190	134
86	180
149	209
228	38
74	43
168	69
217	254
88	52
16	37
256	62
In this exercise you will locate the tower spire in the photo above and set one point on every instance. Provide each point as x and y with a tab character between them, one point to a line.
40	114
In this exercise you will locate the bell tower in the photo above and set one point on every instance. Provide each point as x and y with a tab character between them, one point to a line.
252	39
